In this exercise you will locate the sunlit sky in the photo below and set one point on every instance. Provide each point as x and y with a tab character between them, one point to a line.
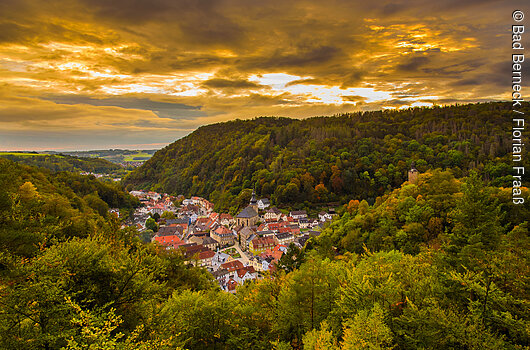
139	74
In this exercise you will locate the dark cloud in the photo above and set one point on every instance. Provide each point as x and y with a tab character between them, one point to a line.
301	57
353	98
218	83
163	109
413	64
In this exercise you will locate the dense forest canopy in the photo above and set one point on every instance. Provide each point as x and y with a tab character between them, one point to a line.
304	163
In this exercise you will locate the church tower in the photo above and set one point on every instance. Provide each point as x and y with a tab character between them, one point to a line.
413	173
253	201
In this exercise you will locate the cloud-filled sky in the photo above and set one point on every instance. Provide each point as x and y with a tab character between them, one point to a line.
95	74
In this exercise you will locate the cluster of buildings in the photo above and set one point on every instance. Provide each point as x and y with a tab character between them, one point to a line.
233	249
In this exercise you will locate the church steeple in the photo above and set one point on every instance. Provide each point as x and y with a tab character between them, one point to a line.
253	200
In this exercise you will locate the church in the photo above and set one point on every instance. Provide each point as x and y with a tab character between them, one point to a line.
249	215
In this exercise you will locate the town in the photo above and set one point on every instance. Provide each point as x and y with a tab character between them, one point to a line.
232	249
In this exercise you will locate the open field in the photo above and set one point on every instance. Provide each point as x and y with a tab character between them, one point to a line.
22	154
141	156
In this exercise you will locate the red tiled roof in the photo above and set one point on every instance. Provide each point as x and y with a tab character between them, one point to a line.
231	284
226	216
222	230
259	243
243	271
274	226
207	254
202	221
168	240
232	265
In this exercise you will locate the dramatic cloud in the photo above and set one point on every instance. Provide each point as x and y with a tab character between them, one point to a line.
99	73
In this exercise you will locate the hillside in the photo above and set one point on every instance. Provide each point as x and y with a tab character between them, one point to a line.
439	264
39	207
63	162
310	162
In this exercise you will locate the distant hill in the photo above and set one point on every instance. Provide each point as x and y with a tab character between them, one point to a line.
63	162
309	162
114	155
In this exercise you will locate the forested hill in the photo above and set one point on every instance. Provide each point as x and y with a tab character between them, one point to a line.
328	159
39	207
63	162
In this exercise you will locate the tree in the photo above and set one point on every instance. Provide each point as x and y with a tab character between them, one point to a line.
168	215
292	259
151	224
27	192
476	220
322	339
368	330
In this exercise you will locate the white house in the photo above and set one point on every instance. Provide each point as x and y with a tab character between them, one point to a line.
246	273
299	214
322	216
263	203
273	214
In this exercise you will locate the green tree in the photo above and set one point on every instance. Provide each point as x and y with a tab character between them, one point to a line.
151	224
368	330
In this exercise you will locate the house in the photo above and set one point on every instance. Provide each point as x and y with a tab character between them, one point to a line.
263	203
231	286
246	232
273	255
323	216
214	216
197	239
274	226
205	257
168	241
219	259
246	242
168	230
210	243
153	195
219	274
297	215
205	240
273	214
284	238
263	263
301	240
266	233
223	236
244	274
179	221
314	223
191	249
200	228
232	265
226	219
258	245
303	223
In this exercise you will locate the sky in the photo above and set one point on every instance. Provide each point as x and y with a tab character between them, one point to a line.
139	74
